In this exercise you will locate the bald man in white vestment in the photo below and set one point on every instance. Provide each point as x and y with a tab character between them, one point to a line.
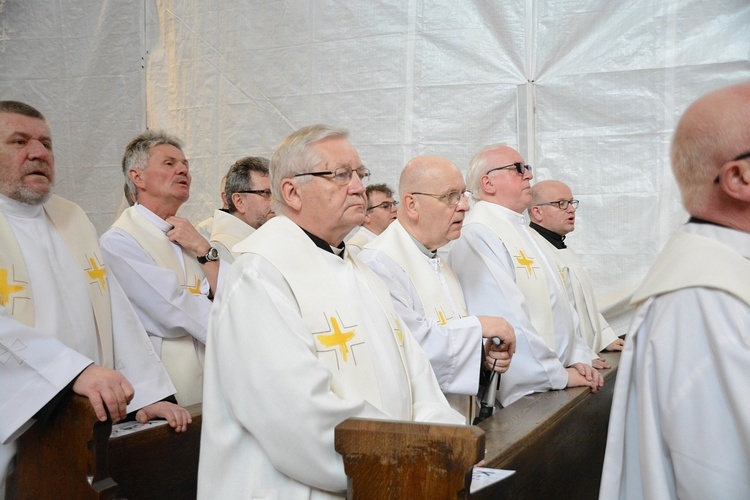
424	289
65	323
680	421
552	213
304	336
167	269
504	273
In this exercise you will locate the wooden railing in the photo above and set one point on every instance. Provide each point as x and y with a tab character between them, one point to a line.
554	441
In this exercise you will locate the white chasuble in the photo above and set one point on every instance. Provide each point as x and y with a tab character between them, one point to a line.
329	316
181	356
531	275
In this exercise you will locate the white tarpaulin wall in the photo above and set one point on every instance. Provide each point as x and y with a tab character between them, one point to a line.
588	90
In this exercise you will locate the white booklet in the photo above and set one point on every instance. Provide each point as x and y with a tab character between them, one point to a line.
482	477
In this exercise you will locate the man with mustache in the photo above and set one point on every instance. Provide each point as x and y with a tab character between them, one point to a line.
381	211
167	269
424	289
304	336
504	273
553	215
65	323
248	196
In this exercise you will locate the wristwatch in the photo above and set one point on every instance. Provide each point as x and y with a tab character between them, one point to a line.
211	256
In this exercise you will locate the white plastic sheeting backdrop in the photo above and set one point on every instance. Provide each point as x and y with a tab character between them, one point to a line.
589	92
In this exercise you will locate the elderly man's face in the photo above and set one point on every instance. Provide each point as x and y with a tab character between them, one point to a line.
27	164
440	222
513	189
558	221
166	178
331	210
378	217
255	208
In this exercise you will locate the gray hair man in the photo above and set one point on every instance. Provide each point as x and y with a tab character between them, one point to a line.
167	269
300	320
504	273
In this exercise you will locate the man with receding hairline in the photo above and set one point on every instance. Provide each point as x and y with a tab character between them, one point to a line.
425	290
552	213
304	336
504	273
680	420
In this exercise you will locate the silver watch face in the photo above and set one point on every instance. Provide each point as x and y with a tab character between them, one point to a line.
212	254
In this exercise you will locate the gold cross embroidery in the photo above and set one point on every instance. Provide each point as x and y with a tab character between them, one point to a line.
6	289
526	262
97	273
337	339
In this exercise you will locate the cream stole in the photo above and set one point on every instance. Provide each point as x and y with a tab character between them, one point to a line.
529	272
228	230
81	239
325	308
183	356
692	260
397	244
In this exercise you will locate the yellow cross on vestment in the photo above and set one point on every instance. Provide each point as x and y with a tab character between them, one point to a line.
441	318
526	262
337	338
195	290
97	273
6	289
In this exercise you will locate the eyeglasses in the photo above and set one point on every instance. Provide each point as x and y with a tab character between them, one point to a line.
451	199
265	193
740	157
561	204
341	176
388	205
520	168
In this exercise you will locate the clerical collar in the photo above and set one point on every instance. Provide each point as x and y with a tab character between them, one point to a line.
696	220
558	241
323	245
429	253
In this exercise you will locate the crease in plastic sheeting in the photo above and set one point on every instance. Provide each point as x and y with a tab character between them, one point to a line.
409	81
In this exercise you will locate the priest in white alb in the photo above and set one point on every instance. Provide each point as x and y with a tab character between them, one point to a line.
680	420
303	336
65	323
424	289
504	273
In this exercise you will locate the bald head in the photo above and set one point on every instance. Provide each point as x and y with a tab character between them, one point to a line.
711	135
545	210
427	187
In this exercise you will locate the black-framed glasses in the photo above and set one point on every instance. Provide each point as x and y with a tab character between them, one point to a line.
561	204
265	193
451	199
342	175
743	156
388	205
520	168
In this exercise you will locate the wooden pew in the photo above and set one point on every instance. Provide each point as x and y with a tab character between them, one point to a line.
555	441
388	460
72	456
